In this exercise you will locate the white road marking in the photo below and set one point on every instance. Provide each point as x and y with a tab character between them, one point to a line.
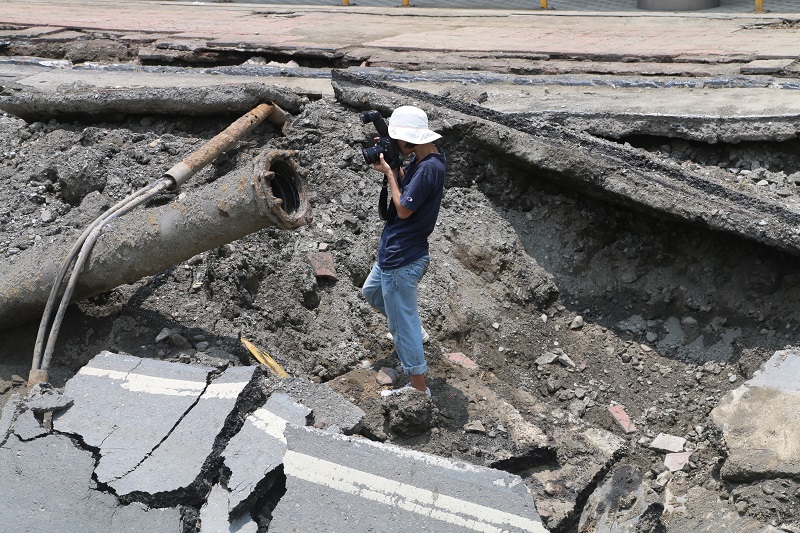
269	423
458	512
166	386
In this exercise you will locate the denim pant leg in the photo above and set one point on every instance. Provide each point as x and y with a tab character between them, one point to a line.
373	289
400	303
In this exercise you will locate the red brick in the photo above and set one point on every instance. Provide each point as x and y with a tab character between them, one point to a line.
622	418
463	360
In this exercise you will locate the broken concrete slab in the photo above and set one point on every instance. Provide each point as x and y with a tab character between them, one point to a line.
230	99
611	172
329	408
352	481
47	483
256	451
214	515
760	421
181	466
583	456
766	66
7	416
676	461
622	503
125	406
159	427
26	427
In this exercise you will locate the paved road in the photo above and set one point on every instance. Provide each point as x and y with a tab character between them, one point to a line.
162	435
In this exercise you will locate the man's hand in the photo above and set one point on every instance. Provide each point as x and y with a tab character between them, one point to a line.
383	166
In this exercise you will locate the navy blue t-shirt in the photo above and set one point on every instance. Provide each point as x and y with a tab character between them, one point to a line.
421	190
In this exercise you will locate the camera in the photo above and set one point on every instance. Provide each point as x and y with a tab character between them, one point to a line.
385	144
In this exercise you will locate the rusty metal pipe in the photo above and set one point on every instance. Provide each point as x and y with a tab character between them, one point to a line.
224	141
271	191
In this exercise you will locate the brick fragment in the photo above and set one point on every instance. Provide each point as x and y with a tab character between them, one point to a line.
461	359
622	418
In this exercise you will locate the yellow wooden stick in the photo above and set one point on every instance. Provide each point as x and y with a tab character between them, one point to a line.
264	358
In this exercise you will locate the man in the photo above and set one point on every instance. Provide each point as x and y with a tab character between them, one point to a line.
416	193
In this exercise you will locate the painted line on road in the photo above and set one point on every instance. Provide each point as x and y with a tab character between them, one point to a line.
269	423
393	493
166	386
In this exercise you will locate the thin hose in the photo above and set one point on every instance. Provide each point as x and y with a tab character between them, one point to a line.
124	205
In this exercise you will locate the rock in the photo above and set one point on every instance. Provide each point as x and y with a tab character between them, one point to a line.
761	423
43	397
474	426
668	443
386	376
408	414
546	359
164	335
676	461
577	323
179	341
565	360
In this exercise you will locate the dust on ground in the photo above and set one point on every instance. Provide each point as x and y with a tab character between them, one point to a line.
567	305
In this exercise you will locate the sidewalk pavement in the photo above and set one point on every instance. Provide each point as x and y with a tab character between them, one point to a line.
331	31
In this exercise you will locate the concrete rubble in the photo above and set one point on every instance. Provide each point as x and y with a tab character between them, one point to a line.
760	422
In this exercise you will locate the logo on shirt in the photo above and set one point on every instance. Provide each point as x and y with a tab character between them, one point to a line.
409	199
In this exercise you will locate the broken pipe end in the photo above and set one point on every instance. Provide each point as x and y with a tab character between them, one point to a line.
37	376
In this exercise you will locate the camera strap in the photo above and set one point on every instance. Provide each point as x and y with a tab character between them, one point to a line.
386	209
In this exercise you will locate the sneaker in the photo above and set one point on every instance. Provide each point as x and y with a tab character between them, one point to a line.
425	336
402	390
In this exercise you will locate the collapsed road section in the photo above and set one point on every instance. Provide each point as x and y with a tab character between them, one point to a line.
583	326
148	441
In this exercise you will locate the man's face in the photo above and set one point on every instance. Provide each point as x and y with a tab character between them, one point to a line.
405	148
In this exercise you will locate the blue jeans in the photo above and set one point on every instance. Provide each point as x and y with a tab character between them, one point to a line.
393	292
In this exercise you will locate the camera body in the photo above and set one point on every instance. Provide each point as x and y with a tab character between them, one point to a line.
385	145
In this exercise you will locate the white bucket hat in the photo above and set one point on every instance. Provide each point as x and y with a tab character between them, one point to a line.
410	124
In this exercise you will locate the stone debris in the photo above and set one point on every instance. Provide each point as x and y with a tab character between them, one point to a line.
676	461
668	443
386	376
461	359
622	419
43	397
623	502
474	426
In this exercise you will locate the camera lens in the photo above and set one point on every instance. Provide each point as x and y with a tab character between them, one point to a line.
372	154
